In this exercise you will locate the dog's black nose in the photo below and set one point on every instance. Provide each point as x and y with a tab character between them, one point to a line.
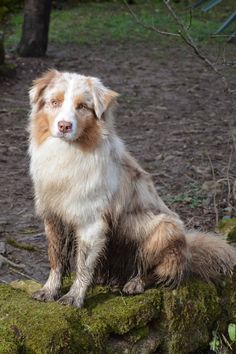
64	127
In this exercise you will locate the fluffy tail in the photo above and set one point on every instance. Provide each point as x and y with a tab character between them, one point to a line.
172	253
210	255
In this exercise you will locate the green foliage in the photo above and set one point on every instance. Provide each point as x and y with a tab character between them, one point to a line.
8	6
94	21
219	338
215	343
193	197
232	332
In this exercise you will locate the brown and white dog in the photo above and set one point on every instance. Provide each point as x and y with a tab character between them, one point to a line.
99	205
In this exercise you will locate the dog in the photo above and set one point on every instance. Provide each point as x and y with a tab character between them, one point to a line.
99	206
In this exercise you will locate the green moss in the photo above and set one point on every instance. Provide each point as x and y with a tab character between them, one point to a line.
138	333
232	236
9	343
121	314
49	327
229	296
28	230
7	69
29	286
67	282
228	228
44	328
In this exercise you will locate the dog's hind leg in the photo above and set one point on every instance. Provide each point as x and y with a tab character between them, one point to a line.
165	253
163	256
135	285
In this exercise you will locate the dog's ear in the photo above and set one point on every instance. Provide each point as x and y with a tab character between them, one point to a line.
40	84
102	96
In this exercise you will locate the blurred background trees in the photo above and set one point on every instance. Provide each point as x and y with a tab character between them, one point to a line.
30	27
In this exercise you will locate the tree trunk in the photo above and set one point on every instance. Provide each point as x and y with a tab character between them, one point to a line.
34	38
2	54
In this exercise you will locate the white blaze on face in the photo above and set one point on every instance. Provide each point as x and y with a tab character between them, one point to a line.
72	86
67	114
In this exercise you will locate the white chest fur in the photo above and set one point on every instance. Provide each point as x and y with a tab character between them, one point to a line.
70	183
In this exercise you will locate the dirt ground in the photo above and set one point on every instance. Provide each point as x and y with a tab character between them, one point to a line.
173	115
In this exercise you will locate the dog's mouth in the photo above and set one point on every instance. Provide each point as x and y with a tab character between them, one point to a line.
69	136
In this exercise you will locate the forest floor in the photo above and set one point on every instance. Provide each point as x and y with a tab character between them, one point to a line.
173	115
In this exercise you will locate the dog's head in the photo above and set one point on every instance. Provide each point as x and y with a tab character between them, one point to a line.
69	106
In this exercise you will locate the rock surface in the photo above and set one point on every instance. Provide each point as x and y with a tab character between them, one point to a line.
170	321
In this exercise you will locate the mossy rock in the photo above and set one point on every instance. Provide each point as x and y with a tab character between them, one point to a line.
229	299
228	228
189	314
53	328
173	321
29	286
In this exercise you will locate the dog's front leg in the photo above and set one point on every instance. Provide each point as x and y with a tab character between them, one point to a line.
91	242
52	286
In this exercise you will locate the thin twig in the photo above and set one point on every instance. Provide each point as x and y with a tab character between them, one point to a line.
152	28
23	274
226	341
12	264
214	195
185	35
223	179
228	179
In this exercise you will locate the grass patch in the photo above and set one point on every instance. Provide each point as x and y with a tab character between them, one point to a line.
22	246
96	22
29	230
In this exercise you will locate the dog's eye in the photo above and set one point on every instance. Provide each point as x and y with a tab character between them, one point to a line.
55	103
81	106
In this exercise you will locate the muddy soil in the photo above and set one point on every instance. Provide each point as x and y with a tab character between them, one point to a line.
173	115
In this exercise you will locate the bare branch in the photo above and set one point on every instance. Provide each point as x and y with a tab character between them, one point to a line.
10	263
228	180
152	28
184	33
186	37
214	195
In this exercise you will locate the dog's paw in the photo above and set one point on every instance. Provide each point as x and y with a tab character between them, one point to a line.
134	286
70	300
43	295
